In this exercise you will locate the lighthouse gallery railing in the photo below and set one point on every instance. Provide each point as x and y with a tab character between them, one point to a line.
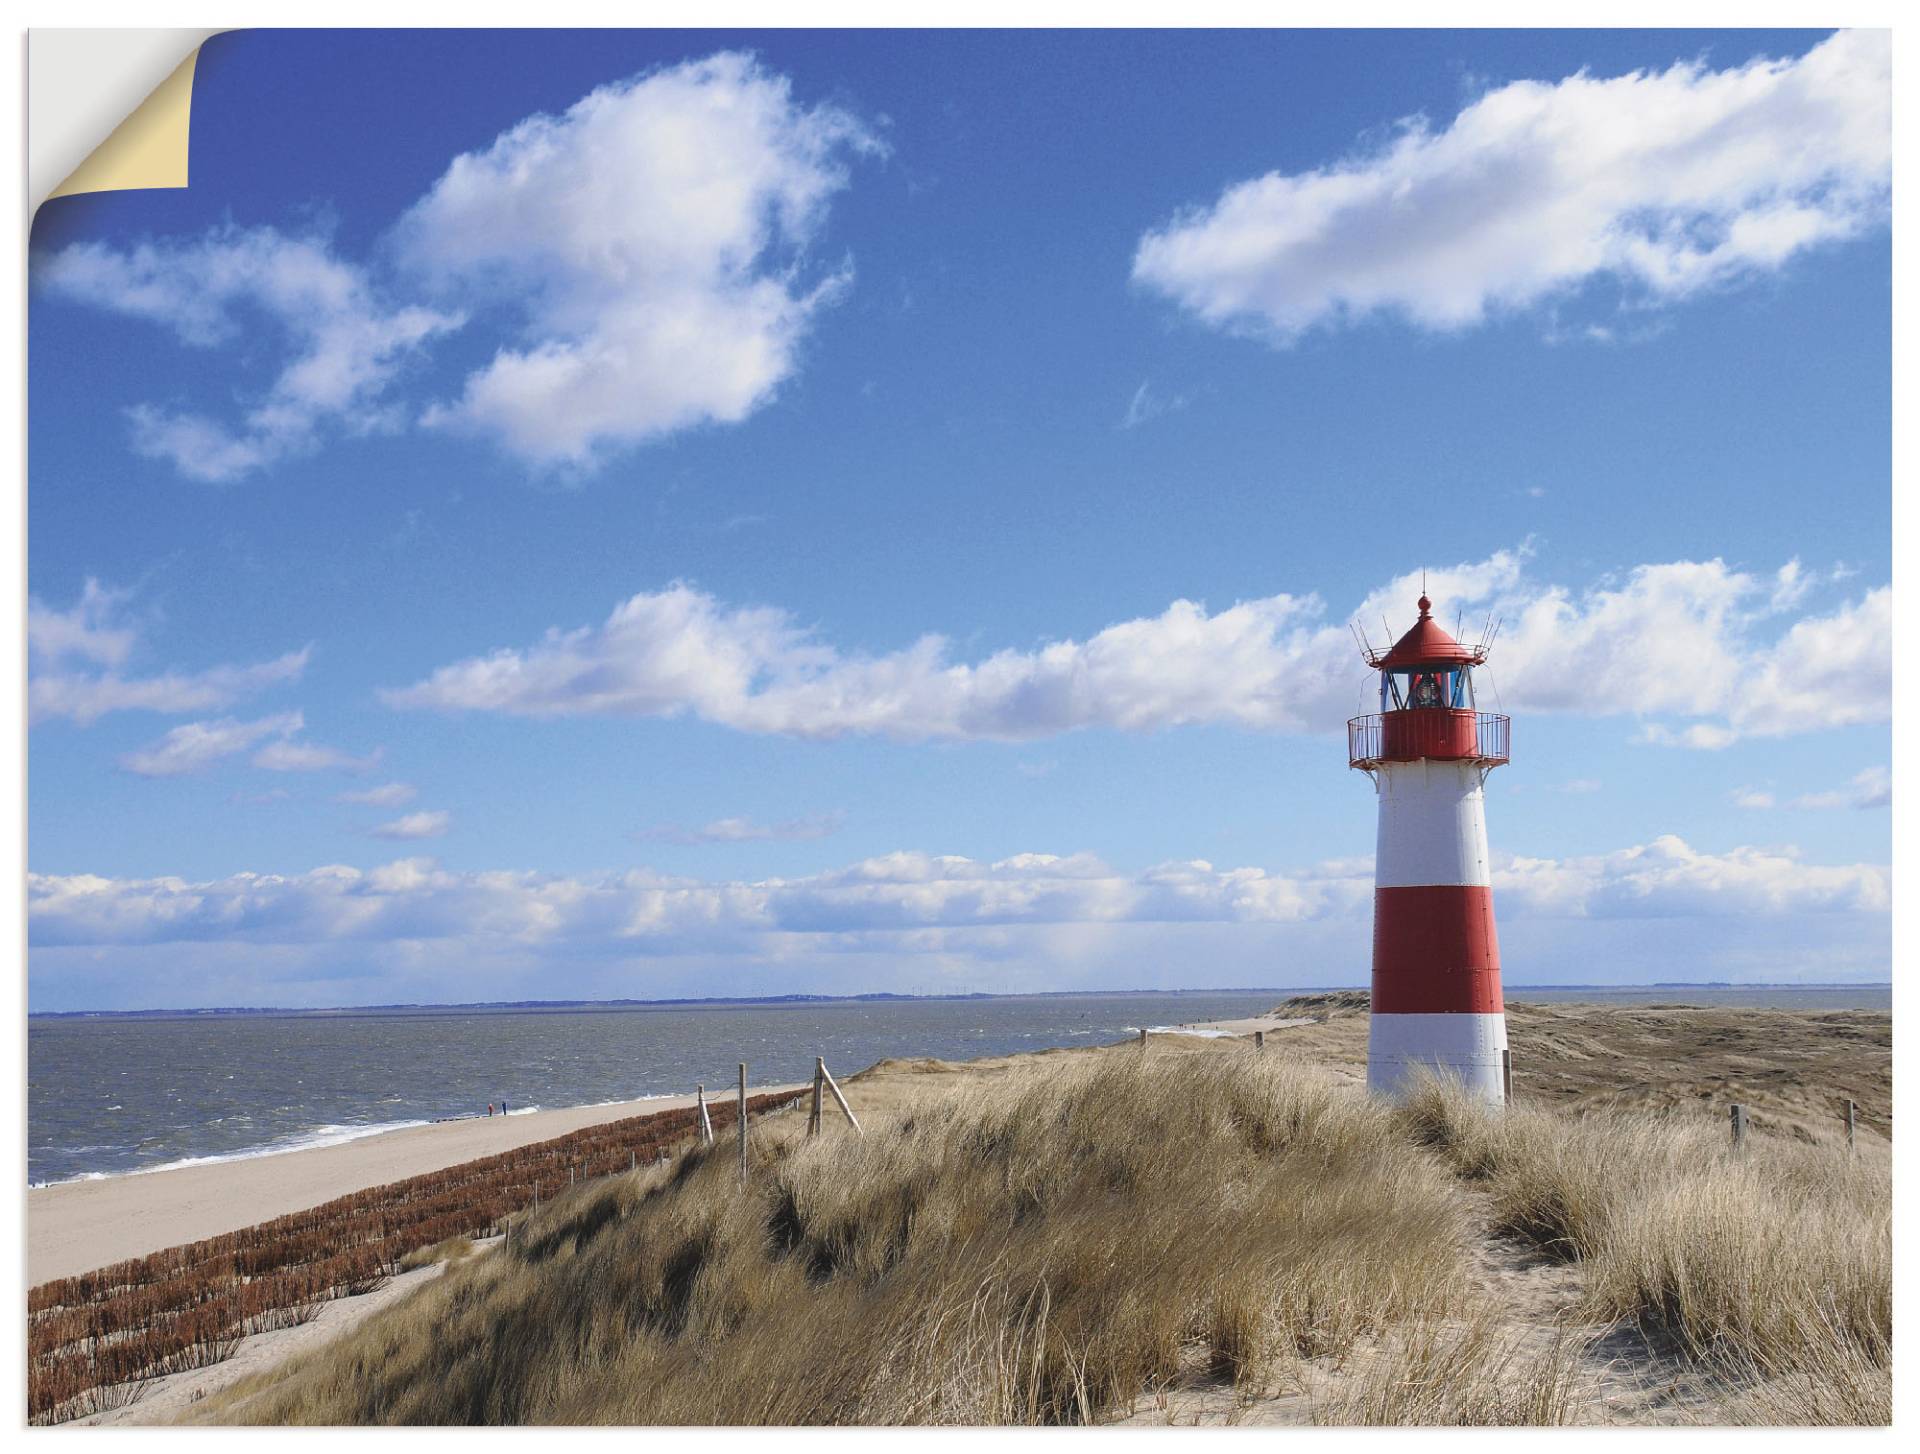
1428	732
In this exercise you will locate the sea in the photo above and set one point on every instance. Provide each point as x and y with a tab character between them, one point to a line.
112	1095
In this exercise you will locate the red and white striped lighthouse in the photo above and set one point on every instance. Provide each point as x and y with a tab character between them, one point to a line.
1436	958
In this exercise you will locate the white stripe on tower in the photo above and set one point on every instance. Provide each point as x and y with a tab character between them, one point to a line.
1433	825
1436	958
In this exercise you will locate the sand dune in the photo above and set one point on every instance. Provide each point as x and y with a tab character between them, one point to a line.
1792	1068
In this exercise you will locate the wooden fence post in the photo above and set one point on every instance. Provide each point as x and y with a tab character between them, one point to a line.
743	1123
1850	1121
834	1086
1259	1039
633	1159
706	1121
1739	1116
1143	1037
1506	1076
819	1085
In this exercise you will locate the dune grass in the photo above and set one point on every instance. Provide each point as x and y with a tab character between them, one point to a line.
1046	1250
452	1249
1057	1244
1771	1266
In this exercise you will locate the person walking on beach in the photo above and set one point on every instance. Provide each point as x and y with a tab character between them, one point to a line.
489	1108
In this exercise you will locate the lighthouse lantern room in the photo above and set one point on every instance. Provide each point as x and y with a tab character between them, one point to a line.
1436	958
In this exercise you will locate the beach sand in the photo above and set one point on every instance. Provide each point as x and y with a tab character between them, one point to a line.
77	1226
1267	1024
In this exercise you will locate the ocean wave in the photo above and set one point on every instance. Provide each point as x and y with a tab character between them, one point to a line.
305	1141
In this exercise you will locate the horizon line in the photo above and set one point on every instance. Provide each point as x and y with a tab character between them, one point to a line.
808	998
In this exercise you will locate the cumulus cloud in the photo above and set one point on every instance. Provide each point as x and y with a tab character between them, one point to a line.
1689	639
652	239
1669	879
745	830
415	825
386	795
198	745
344	345
1665	182
897	894
1870	788
76	656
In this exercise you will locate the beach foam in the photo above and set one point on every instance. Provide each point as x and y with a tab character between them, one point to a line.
306	1141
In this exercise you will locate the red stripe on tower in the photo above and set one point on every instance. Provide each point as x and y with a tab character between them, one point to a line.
1435	951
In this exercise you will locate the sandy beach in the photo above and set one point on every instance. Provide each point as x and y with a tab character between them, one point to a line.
76	1226
1266	1024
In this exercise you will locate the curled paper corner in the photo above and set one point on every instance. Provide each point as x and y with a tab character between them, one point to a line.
81	136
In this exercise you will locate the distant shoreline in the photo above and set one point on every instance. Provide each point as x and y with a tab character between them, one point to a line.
748	1002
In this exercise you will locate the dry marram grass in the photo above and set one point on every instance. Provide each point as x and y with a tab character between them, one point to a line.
1044	1252
1771	1266
1078	1233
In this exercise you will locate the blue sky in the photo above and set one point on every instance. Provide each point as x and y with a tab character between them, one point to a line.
662	512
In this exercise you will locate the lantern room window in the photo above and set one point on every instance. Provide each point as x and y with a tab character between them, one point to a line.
1402	688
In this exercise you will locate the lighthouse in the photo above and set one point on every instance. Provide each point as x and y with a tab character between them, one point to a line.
1436	959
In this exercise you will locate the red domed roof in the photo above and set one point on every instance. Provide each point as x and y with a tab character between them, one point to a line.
1428	644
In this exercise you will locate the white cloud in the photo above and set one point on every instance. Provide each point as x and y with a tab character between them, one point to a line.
415	825
287	756
653	238
198	745
88	631
1870	788
85	697
344	344
1668	182
1667	878
76	657
895	895
745	830
1826	671
1748	797
1688	639
386	795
